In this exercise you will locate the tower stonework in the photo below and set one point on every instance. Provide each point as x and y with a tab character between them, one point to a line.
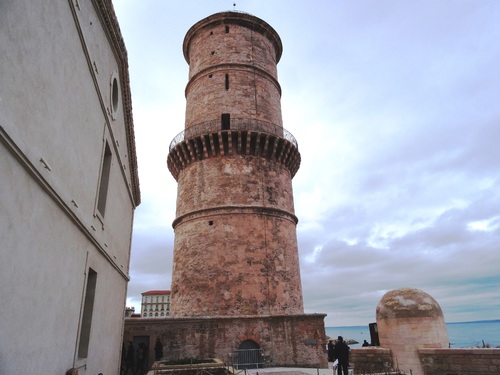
235	250
236	293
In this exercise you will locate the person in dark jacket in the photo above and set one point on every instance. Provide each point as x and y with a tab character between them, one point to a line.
158	349
331	347
130	360
141	354
341	352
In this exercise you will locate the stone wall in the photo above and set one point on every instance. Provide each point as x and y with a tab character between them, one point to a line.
473	361
371	360
236	235
296	340
232	61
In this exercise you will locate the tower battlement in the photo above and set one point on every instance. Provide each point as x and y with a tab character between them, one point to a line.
247	137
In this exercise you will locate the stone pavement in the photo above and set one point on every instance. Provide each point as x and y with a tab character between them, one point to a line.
281	371
291	371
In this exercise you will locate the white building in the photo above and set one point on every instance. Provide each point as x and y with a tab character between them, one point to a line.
68	187
155	304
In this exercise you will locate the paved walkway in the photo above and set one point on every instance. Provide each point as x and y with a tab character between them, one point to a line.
285	371
291	371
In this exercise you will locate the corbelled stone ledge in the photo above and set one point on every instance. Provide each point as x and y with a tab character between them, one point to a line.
233	142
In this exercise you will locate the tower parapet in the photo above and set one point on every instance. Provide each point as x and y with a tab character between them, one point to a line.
246	137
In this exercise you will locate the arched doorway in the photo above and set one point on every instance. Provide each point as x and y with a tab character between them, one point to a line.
248	355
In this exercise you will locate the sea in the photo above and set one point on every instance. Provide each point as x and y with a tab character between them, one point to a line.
461	335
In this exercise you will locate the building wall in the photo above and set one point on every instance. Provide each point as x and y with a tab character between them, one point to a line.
57	111
292	340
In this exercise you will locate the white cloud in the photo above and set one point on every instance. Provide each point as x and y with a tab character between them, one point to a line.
395	108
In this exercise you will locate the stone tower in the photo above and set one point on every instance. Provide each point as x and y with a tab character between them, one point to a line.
236	279
235	251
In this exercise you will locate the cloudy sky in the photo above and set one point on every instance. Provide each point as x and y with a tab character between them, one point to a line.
396	108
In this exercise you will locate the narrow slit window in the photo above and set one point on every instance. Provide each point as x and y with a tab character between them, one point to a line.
227	81
104	182
88	309
225	121
227	29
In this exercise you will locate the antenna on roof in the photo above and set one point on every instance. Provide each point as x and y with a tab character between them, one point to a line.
234	6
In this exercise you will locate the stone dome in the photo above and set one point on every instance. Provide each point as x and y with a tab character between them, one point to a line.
407	303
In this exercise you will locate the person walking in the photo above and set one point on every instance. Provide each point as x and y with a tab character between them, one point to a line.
341	352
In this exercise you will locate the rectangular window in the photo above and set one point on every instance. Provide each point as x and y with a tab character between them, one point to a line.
227	82
225	120
88	309
104	182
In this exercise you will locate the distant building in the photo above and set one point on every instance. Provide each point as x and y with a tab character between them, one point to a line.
129	311
68	187
155	304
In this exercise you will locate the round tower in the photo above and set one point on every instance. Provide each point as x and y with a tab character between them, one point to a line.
235	250
409	319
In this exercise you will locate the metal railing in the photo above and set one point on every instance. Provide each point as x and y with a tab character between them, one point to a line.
246	358
238	124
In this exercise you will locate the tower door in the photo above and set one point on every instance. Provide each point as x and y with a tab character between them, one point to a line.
225	121
249	355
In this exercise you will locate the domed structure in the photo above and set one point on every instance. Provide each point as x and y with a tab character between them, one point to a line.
409	319
407	303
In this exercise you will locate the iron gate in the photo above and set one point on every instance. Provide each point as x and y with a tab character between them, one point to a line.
247	358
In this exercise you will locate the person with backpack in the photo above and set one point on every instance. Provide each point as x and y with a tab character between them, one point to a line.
341	353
